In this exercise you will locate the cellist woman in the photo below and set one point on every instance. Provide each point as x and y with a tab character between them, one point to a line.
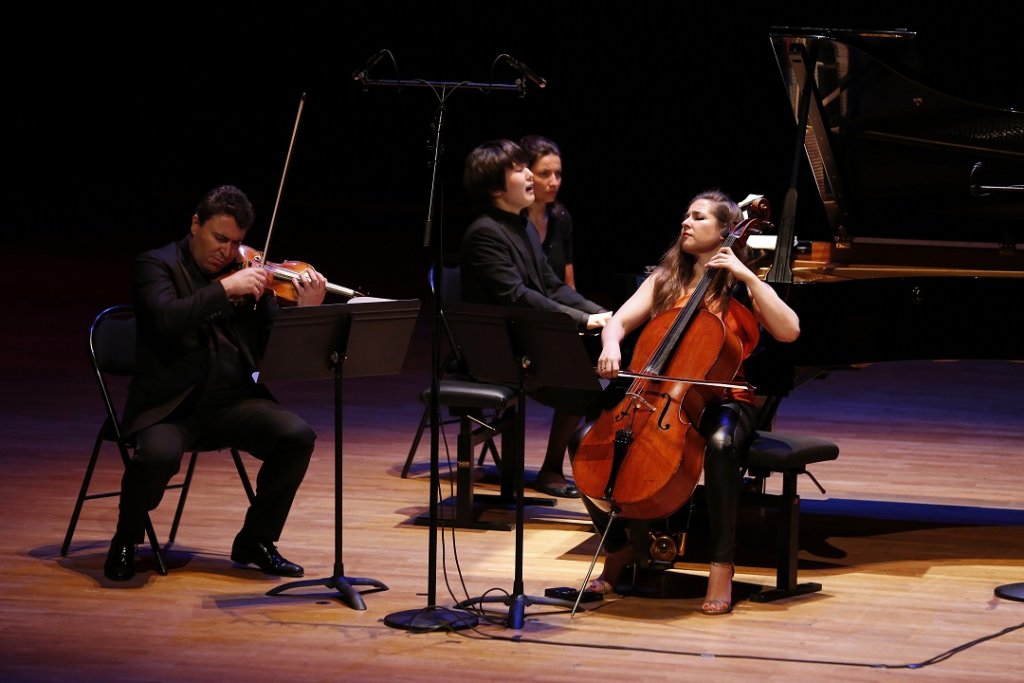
726	426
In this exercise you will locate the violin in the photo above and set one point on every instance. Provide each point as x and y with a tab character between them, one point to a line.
643	458
284	275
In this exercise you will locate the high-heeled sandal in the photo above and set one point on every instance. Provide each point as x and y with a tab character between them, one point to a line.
718	606
603	585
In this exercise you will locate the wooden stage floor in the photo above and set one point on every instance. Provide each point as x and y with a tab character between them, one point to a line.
922	518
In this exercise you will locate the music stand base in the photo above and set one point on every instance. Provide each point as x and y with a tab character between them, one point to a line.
1011	591
343	584
517	605
451	520
428	619
509	502
452	513
774	594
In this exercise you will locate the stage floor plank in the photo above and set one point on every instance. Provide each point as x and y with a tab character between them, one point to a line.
921	519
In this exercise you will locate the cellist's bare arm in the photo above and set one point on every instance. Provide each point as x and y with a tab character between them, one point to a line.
772	313
635	312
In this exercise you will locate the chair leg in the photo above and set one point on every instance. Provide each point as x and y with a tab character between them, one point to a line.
158	557
243	475
82	494
416	442
185	485
789	530
161	567
788	546
512	445
464	474
489	447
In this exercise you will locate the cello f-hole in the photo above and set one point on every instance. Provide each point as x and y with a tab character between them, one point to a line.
664	411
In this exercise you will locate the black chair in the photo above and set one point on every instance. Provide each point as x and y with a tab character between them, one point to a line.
789	455
112	349
483	412
769	452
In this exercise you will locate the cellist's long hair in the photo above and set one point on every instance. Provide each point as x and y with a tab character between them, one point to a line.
677	266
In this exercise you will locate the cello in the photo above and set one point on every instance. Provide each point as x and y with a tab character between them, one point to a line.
643	458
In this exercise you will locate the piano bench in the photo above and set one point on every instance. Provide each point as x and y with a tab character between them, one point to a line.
789	455
484	412
466	401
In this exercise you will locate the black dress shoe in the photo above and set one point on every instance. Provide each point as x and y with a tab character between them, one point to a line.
565	490
263	554
120	564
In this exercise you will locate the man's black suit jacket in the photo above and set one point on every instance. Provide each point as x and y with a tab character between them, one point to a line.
503	264
176	308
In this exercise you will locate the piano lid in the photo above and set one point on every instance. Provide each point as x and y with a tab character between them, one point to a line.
895	160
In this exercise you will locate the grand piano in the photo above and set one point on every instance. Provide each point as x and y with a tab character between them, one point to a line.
917	253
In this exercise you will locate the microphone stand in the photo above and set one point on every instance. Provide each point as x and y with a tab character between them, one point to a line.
1007	591
432	617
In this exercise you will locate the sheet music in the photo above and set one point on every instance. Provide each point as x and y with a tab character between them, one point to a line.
367	300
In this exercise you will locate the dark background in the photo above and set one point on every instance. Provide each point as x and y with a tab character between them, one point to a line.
117	120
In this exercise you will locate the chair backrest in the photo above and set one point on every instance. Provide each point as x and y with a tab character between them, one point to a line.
112	349
451	283
451	290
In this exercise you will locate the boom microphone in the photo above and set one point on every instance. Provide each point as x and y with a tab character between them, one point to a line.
525	70
360	74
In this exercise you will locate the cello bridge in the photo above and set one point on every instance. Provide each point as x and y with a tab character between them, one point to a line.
641	402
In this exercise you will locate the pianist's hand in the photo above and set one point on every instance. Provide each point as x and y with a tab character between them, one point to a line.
598	320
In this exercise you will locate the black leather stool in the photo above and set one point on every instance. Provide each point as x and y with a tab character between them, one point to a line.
770	452
788	454
470	401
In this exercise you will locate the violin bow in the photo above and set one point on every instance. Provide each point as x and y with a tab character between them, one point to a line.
284	174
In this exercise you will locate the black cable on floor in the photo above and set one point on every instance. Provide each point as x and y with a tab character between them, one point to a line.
499	620
764	658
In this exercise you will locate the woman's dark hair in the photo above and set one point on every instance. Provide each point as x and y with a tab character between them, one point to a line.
536	147
484	173
226	200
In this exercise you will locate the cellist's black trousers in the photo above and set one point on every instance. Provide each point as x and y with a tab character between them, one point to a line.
260	426
728	429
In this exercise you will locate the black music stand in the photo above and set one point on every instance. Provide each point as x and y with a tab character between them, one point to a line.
528	350
340	340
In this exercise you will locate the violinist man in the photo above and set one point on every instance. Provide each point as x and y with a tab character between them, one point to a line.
503	264
202	323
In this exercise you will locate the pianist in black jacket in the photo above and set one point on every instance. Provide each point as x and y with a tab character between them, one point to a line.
503	264
726	424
